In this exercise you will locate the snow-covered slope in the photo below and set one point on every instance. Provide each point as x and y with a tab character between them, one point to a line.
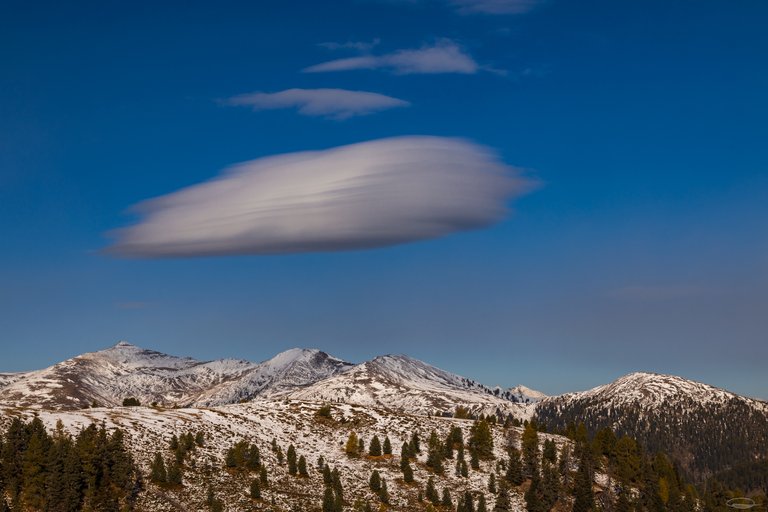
109	376
401	383
706	427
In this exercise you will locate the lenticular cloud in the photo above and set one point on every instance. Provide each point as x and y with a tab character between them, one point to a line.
366	195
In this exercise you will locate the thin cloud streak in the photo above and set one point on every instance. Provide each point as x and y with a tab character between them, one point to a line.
494	6
330	103
361	196
360	46
444	56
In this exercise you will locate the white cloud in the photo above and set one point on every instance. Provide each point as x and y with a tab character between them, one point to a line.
444	56
333	103
372	194
494	6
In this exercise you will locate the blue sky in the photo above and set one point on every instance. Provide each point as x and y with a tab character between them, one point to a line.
643	246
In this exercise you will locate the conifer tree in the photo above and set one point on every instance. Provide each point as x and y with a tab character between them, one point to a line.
514	473
414	445
374	449
502	500
387	446
584	500
533	501
158	474
530	448
361	446
474	459
263	476
492	483
481	505
407	472
550	451
375	481
255	489
383	492
292	466
303	466
174	475
353	445
329	500
446	500
481	439
435	454
430	492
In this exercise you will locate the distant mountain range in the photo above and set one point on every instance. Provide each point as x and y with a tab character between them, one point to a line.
706	429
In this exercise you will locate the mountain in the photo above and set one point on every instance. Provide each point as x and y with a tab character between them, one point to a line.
401	383
109	376
704	428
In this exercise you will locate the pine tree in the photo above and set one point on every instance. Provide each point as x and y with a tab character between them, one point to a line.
502	500
474	459
303	466
514	473
387	446
383	492
407	472
446	500
328	500
33	467
263	476
533	502
375	481
481	440
430	492
292	467
353	445
481	505
374	449
492	483
414	445
435	454
550	451
255	489
174	474
582	486
158	474
530	448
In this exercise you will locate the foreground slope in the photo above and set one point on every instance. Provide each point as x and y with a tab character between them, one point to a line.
706	429
289	422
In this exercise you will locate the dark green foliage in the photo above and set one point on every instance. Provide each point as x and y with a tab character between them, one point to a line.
131	402
292	465
158	473
514	473
481	505
375	481
383	492
584	499
530	449
435	454
174	474
481	440
492	483
255	489
374	449
328	500
263	476
387	446
474	459
503	503
243	456
414	445
446	500
430	492
200	439
303	466
550	451
56	473
325	412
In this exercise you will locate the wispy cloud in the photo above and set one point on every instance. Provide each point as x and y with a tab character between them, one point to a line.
494	6
360	46
445	56
332	103
372	194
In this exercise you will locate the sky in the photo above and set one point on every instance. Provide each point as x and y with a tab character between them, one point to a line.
551	193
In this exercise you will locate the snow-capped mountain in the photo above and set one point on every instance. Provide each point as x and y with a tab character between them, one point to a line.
109	376
401	383
702	424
